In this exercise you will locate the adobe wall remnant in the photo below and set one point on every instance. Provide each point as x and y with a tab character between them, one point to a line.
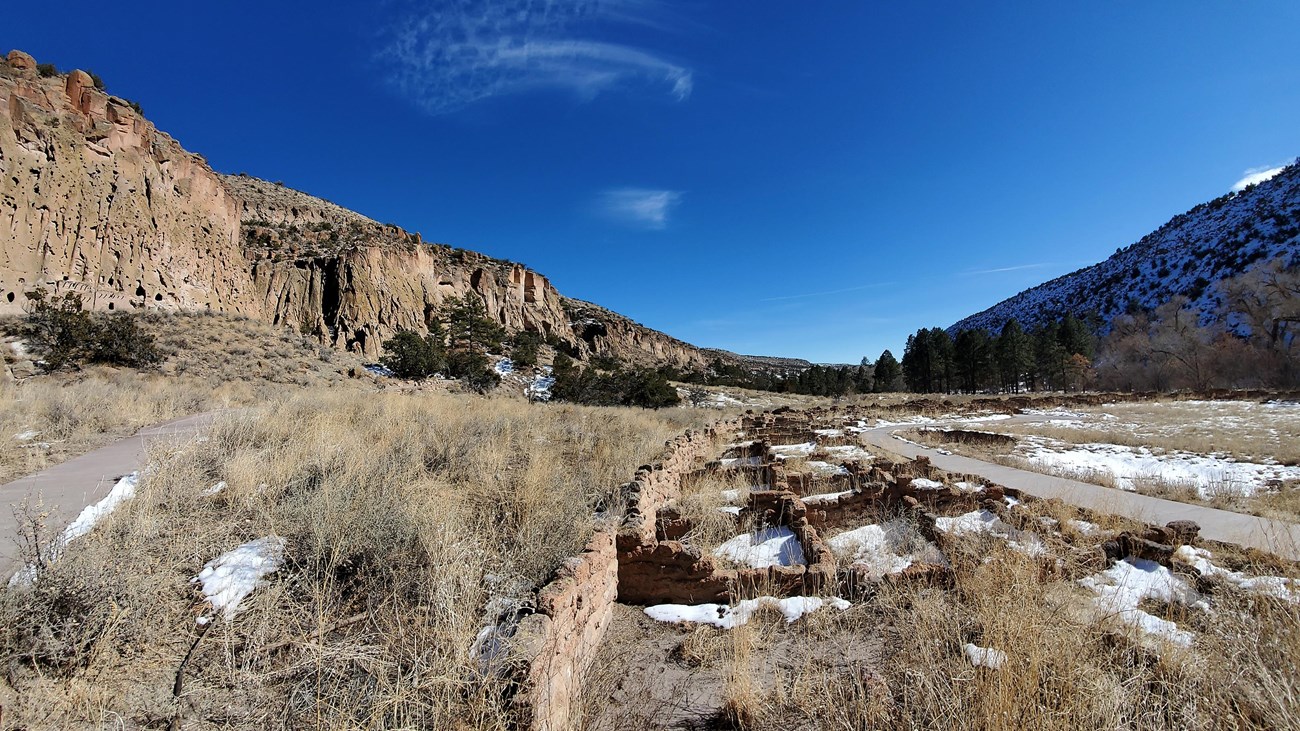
655	571
561	638
558	643
643	560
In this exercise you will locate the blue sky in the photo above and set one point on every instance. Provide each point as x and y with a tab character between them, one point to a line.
806	179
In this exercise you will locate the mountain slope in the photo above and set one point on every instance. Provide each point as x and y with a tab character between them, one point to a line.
1187	256
95	199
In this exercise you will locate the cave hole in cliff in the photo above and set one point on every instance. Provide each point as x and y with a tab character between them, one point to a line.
330	294
157	297
10	296
139	291
476	278
110	306
592	330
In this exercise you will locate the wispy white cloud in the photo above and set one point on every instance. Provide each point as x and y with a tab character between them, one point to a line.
999	270
1255	176
448	56
640	207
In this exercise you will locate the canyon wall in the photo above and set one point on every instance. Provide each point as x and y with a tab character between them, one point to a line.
95	199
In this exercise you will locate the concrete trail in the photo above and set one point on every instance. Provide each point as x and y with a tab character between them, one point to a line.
68	487
1276	536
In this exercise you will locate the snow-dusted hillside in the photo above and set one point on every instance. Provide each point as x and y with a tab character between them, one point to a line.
1187	256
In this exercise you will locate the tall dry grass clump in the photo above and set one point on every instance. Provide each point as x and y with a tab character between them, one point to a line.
1066	666
45	420
411	523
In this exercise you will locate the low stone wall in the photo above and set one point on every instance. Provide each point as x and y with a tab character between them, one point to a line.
559	642
562	637
652	569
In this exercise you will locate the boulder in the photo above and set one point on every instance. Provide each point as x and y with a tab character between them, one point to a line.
1184	531
23	62
76	85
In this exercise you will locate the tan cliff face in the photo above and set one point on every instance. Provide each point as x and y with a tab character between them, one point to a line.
95	199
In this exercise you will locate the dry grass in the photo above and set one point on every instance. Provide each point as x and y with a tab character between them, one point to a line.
426	515
1067	667
701	503
1243	430
66	415
213	362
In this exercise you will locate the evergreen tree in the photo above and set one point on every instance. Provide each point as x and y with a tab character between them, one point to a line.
408	355
944	362
973	359
523	351
472	368
887	373
468	324
1049	357
1014	356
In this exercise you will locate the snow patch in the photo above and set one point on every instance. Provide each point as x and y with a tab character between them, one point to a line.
776	546
785	451
725	617
884	549
985	522
227	579
826	468
1123	586
1277	587
1211	476
984	657
540	388
829	497
123	490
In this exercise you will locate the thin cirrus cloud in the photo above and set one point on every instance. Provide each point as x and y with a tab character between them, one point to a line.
449	57
1255	176
639	207
999	270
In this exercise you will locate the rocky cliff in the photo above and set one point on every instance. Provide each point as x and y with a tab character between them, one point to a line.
94	198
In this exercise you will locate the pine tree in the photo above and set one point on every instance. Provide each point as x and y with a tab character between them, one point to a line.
469	325
973	359
888	372
1014	356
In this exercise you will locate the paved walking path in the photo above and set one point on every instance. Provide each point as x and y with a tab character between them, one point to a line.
1277	536
68	487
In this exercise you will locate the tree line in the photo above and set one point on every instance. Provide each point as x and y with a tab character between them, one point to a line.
884	375
1056	356
1249	341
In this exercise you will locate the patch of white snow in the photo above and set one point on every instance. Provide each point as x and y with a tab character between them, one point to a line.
227	579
